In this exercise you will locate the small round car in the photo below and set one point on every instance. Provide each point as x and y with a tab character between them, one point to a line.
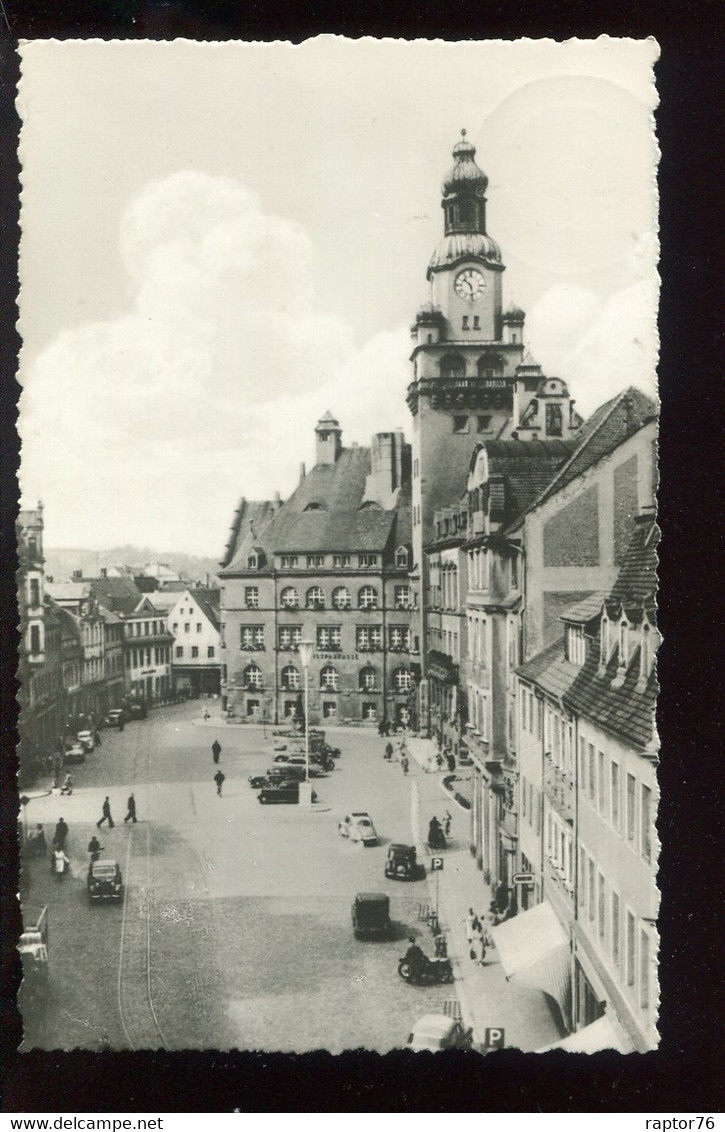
104	880
401	863
86	739
358	827
438	1031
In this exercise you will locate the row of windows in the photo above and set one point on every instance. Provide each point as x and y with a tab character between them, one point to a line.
364	561
144	628
140	658
341	598
187	627
615	929
624	637
210	652
444	586
368	638
627	805
477	639
401	679
445	640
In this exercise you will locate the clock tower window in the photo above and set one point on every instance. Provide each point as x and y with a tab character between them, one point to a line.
453	365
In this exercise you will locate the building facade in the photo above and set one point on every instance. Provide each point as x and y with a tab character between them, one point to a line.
588	795
194	622
329	565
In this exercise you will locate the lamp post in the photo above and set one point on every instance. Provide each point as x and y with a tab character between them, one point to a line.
306	649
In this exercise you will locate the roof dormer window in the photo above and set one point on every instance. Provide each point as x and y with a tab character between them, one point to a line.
252	561
623	643
604	641
576	647
401	557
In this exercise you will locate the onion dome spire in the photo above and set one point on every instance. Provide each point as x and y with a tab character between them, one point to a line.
464	207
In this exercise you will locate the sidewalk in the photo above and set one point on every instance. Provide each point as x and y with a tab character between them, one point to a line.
487	998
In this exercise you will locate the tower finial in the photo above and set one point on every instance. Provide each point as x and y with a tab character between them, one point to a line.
463	133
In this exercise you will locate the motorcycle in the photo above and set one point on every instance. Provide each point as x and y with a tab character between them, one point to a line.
430	973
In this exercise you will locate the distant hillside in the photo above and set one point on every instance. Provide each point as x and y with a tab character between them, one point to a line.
61	562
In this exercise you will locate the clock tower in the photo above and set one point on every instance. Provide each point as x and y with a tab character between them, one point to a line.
466	351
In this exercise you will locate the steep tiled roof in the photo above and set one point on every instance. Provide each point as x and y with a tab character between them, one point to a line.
251	518
208	602
68	591
624	707
585	610
324	515
607	428
519	471
120	595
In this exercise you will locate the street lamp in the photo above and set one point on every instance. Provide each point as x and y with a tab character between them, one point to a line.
306	648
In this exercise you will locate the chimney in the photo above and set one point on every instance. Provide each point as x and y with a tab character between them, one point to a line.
303	471
77	575
329	439
104	572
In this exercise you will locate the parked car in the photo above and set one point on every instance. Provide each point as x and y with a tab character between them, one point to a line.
75	754
87	740
371	915
115	717
401	863
137	710
104	880
438	1031
358	827
282	792
290	760
257	781
285	773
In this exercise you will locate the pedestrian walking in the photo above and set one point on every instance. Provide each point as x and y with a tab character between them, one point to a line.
59	863
469	928
67	787
479	941
106	815
60	835
404	763
388	751
219	779
216	750
206	714
447	822
451	760
97	738
95	848
131	808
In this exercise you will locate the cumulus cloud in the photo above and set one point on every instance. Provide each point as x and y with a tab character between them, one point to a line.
601	346
221	363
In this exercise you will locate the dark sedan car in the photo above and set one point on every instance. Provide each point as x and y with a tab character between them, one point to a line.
284	792
105	881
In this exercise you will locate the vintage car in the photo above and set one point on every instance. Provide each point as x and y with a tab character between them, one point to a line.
257	781
137	710
285	773
401	863
290	760
358	827
87	740
371	915
104	880
75	754
116	717
282	792
439	1031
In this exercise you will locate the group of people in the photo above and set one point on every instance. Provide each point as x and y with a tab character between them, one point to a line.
439	831
106	815
399	751
219	777
477	936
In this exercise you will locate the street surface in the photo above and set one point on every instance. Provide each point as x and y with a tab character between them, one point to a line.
235	931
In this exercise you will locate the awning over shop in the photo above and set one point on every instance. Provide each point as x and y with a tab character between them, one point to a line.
602	1034
534	950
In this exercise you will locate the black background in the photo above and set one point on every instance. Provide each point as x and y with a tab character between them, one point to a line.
685	1073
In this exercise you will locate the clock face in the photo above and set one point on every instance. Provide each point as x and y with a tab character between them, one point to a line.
470	285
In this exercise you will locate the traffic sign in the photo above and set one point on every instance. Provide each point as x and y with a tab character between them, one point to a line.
436	864
494	1037
523	878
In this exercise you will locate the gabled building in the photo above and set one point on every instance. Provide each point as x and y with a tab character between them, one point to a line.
194	622
146	641
588	798
329	565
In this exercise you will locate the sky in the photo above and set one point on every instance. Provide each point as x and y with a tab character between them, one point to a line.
221	242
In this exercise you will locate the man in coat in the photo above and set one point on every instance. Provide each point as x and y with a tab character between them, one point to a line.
131	807
60	835
216	750
106	816
219	779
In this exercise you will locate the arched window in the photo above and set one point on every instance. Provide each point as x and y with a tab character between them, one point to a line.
402	680
367	598
453	365
290	598
315	598
604	642
368	681
290	678
490	366
401	556
252	676
329	678
33	547
341	598
252	561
